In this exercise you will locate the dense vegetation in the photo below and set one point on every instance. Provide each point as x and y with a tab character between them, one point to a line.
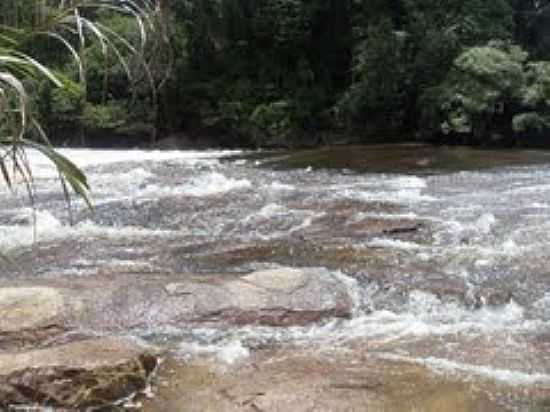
305	72
45	54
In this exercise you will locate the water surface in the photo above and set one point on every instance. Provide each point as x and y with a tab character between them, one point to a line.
465	291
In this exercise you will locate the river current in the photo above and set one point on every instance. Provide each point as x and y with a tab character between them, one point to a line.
461	285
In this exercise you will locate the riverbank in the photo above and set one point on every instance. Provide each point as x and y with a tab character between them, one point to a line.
142	136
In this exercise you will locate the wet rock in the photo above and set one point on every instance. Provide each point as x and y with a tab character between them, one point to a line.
489	297
292	252
403	229
385	226
279	297
29	315
302	381
89	373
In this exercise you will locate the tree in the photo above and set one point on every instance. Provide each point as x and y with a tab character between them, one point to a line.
379	79
494	89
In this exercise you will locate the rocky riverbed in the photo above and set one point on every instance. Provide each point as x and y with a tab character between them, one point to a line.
237	281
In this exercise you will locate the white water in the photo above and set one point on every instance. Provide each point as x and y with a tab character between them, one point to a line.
447	367
44	227
489	231
204	185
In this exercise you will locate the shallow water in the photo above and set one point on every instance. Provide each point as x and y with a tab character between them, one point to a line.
465	292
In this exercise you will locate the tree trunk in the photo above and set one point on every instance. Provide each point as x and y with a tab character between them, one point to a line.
164	8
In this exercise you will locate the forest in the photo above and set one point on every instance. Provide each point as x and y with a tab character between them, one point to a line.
295	73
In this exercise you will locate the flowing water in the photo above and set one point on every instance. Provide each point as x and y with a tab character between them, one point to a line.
461	285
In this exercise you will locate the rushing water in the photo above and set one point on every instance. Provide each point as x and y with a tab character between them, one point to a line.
466	291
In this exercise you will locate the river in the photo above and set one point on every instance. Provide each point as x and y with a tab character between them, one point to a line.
445	251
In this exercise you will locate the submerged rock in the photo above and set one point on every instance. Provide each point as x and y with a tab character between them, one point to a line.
88	373
28	315
278	297
304	381
489	297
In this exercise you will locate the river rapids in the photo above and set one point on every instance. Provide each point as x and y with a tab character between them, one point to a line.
456	279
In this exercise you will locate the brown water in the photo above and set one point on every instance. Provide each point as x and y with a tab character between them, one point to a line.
403	158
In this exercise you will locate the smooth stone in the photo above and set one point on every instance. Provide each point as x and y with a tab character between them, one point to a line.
29	315
27	308
278	297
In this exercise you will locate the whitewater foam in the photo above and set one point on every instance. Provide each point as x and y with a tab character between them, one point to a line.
403	196
449	367
209	184
393	244
484	223
44	226
282	187
229	352
424	316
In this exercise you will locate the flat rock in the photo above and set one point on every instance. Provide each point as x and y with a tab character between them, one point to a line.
278	297
285	280
29	315
294	380
87	373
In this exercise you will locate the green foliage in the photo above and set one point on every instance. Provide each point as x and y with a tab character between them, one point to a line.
530	121
244	57
27	84
484	76
255	69
538	79
379	75
274	118
66	104
405	51
495	81
108	116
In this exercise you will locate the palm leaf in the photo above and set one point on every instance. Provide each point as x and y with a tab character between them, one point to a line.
64	23
67	169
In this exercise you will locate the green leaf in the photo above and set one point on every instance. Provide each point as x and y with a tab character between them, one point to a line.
74	176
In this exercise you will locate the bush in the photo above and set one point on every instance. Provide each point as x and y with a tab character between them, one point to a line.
494	86
104	117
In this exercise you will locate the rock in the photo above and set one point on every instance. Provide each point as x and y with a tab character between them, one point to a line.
286	280
373	226
403	229
487	296
279	297
88	373
294	380
29	315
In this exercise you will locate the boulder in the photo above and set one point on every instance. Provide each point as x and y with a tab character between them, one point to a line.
87	373
278	297
29	315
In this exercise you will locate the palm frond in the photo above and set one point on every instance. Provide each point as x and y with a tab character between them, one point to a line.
70	24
